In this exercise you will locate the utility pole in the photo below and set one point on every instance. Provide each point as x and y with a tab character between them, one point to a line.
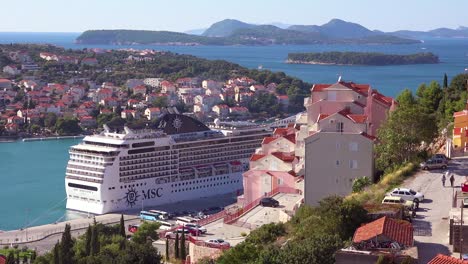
461	233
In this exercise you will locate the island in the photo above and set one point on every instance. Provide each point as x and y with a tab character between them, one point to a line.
234	32
361	58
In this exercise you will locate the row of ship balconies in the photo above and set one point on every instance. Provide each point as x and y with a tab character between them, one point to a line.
146	167
224	148
89	162
71	166
214	155
146	175
94	153
75	177
147	155
223	158
146	160
84	173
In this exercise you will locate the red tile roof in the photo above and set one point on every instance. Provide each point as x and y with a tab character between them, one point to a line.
291	137
358	118
464	112
442	259
267	140
397	230
256	157
283	156
359	88
322	116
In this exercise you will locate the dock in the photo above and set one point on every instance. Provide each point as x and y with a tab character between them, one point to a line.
52	138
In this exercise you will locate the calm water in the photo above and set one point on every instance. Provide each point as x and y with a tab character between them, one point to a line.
32	173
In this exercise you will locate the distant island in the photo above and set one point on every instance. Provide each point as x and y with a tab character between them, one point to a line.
234	32
361	58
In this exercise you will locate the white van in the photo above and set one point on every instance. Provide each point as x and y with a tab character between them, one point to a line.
185	220
165	225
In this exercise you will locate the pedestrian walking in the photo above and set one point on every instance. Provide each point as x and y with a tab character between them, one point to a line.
443	179
452	179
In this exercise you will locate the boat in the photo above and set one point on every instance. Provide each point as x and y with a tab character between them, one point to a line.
179	159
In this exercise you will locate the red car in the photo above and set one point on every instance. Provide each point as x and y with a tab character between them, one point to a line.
133	228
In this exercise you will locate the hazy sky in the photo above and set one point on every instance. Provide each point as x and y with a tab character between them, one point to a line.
182	15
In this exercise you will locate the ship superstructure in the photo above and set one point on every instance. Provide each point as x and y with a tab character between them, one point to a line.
182	159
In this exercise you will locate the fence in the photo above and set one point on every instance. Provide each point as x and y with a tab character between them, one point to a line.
229	219
29	235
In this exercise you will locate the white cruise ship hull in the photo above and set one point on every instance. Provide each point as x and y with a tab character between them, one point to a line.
147	194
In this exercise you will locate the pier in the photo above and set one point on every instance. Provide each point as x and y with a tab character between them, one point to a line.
51	138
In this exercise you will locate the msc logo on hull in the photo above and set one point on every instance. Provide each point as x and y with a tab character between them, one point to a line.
131	196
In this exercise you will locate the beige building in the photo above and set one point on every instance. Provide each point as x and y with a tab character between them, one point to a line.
333	160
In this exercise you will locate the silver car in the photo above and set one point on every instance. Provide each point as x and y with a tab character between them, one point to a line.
434	164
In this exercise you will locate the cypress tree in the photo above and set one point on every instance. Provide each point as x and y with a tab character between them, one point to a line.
94	241
88	240
33	256
167	249
17	259
10	258
176	246
56	253
66	246
182	244
445	81
122	226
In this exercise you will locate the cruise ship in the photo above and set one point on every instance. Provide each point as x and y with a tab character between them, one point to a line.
180	159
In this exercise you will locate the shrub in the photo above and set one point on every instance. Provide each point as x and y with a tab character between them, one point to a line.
360	183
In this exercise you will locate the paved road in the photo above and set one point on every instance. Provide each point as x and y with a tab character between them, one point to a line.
431	226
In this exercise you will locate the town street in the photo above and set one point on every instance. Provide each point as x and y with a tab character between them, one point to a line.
431	226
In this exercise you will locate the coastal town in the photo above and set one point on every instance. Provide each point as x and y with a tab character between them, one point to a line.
31	106
303	162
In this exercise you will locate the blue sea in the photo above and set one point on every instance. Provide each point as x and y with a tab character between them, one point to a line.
32	173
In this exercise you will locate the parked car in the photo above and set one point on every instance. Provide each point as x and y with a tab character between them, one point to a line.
218	242
197	227
433	164
398	200
180	231
133	228
268	201
407	194
441	156
192	231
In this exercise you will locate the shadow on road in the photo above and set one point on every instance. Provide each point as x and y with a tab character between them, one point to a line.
422	228
427	251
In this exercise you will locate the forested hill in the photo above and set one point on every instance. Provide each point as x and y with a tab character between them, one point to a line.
362	58
233	32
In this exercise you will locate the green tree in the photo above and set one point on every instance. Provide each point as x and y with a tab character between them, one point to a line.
94	241
430	97
176	246
87	238
56	254
182	245
167	249
67	126
360	183
445	81
50	120
10	258
122	226
406	99
402	135
66	246
147	230
33	256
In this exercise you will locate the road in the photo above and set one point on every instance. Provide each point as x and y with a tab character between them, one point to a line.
431	226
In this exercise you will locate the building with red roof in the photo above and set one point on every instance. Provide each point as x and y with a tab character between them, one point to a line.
443	259
384	230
